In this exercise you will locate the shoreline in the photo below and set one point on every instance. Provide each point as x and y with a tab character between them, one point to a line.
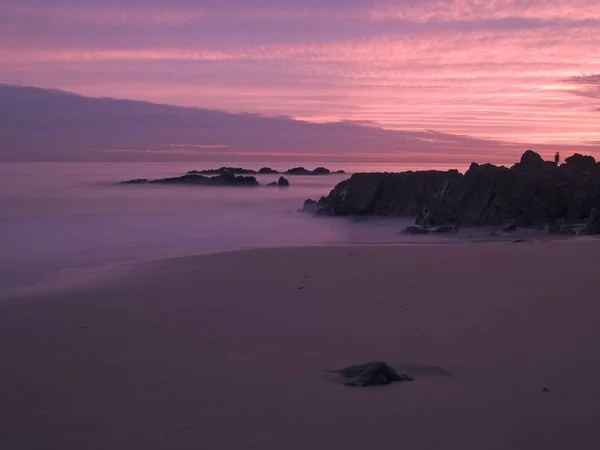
230	350
60	280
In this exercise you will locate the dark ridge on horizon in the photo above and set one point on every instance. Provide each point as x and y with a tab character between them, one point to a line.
39	124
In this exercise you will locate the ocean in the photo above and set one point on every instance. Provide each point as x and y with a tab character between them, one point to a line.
60	222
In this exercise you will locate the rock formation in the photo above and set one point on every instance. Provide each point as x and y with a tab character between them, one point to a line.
222	170
267	171
304	171
224	179
282	182
375	373
401	194
532	193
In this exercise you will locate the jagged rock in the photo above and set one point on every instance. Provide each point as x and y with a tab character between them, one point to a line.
137	181
222	170
490	195
267	171
533	192
282	182
388	194
224	179
445	229
531	159
592	226
304	171
416	229
375	373
581	161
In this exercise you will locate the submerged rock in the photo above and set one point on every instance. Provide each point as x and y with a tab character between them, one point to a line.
376	373
222	170
224	179
282	182
267	170
304	171
137	181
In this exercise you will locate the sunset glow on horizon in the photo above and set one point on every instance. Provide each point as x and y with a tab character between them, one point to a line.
508	70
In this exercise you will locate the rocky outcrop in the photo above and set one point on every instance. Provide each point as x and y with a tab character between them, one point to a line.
267	171
282	182
136	181
592	226
304	171
375	373
222	170
581	161
532	193
388	194
224	179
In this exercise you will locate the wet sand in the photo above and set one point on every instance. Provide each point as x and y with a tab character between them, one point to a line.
230	351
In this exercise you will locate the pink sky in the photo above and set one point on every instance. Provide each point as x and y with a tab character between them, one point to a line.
509	70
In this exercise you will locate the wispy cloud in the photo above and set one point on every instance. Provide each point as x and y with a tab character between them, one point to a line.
504	69
587	85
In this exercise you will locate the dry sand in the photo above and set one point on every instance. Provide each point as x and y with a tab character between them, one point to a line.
227	351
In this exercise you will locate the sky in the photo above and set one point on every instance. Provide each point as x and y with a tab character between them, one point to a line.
521	71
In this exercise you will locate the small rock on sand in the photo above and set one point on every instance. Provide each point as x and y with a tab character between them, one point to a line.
376	373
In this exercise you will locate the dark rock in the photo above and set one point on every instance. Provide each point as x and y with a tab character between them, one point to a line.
267	170
592	226
509	226
545	390
375	373
339	172
309	202
558	229
273	183
138	181
416	229
445	229
283	182
304	171
224	179
388	194
531	193
298	171
531	159
222	170
581	161
520	241
491	195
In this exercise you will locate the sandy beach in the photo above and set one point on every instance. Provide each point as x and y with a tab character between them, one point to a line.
230	351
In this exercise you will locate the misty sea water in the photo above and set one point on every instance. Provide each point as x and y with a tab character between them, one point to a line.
58	221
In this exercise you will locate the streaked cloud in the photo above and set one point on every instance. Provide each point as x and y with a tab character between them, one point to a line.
505	70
